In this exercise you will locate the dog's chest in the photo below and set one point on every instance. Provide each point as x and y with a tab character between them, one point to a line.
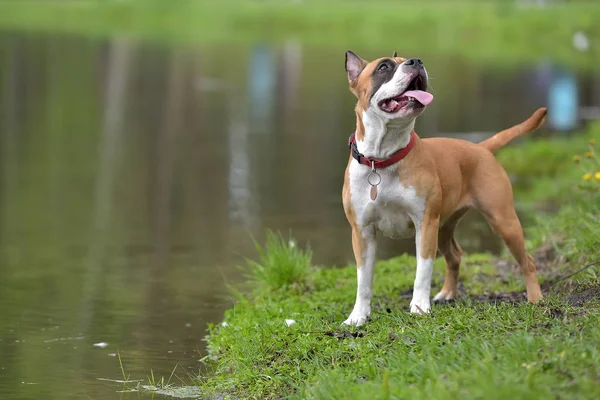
396	210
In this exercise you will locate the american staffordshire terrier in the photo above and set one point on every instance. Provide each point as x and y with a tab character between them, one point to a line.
399	185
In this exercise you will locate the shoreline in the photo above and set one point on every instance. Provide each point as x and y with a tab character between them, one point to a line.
488	343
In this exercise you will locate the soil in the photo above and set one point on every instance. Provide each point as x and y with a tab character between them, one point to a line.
580	298
341	335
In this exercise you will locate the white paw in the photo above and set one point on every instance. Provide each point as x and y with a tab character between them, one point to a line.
356	320
441	296
358	317
420	307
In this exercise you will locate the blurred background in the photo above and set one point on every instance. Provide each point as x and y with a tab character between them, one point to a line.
143	144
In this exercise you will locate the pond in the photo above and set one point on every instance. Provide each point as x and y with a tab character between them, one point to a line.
134	176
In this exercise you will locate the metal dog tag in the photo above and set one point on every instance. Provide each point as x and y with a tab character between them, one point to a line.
374	180
373	192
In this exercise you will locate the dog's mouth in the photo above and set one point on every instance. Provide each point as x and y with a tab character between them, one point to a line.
415	95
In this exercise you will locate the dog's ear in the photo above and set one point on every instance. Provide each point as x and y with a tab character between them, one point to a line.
354	65
395	55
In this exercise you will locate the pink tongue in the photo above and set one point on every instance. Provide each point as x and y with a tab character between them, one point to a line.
421	96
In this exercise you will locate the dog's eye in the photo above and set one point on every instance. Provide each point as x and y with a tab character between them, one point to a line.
383	67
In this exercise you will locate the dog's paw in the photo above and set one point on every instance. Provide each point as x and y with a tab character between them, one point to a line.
355	321
359	315
357	318
420	307
443	296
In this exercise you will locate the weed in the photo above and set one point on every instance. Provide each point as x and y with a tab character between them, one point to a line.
281	264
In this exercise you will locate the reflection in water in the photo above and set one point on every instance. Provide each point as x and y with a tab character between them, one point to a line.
563	100
243	207
132	176
119	58
262	78
290	72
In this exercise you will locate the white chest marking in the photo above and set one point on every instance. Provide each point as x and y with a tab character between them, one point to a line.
396	210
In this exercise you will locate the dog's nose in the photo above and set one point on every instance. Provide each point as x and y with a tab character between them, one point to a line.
416	62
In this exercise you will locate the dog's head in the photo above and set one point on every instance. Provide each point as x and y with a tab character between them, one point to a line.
392	88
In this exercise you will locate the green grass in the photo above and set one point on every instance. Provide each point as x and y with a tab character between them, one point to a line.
497	31
574	179
490	344
282	264
471	349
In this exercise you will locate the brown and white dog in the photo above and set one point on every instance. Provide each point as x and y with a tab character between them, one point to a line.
399	185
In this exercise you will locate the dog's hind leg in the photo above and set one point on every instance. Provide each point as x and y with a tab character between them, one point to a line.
452	254
494	199
507	225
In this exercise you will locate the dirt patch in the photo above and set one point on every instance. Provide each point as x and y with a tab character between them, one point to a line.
575	299
557	313
500	297
341	335
580	298
547	260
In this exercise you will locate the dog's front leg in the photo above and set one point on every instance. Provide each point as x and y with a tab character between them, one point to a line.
364	246
426	240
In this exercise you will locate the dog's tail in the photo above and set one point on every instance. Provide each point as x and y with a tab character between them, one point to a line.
501	139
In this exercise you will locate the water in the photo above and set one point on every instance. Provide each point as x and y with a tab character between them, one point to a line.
132	176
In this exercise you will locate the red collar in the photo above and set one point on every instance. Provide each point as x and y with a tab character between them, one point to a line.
381	163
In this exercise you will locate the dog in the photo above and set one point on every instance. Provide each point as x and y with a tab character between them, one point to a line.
401	186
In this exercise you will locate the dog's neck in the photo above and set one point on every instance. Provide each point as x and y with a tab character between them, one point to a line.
380	138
